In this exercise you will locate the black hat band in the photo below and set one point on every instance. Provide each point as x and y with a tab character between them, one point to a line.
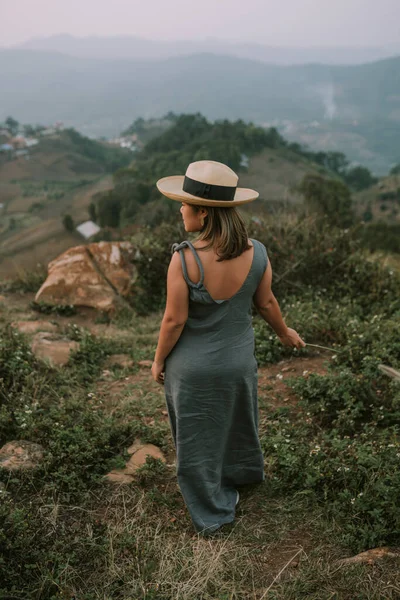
207	190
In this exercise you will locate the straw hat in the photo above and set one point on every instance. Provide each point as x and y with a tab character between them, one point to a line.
206	183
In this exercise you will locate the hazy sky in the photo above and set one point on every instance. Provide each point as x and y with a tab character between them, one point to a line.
275	22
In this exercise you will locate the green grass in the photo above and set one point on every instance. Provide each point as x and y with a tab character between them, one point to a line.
68	533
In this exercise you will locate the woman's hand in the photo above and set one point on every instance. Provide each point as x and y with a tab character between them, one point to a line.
292	339
157	370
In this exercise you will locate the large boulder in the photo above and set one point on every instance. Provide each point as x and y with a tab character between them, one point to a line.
94	275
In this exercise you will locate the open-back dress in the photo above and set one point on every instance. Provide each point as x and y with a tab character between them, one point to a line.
211	393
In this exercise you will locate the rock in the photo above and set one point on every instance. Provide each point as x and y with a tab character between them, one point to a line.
2	299
139	453
53	348
119	477
120	360
146	364
135	446
106	374
138	459
92	275
20	454
34	326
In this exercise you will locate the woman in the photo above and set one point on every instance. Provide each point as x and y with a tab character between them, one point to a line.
205	352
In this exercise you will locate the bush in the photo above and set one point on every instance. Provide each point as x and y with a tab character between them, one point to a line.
152	264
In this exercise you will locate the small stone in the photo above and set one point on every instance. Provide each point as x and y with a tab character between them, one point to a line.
2	299
20	454
117	476
120	360
146	364
34	326
138	459
55	349
139	452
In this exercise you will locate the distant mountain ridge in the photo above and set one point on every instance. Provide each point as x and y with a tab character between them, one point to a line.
102	97
136	48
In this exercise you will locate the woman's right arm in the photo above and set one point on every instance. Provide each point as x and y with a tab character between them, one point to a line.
268	307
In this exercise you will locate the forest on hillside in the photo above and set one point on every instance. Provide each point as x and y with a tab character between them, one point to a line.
329	186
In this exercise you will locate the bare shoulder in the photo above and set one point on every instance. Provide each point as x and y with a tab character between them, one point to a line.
175	263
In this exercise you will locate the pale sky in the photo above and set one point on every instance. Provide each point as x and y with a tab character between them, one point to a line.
271	22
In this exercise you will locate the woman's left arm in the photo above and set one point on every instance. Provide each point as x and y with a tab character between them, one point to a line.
175	316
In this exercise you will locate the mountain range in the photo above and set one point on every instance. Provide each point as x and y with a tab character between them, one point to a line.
131	47
103	96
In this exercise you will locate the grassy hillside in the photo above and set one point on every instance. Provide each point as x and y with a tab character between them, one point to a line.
96	95
59	175
275	174
381	201
328	418
31	230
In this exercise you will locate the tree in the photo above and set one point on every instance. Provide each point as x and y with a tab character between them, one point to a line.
336	162
395	170
68	223
29	131
328	197
92	211
109	210
367	214
359	178
12	125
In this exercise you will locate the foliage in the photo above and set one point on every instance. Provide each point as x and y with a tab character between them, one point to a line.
25	281
110	158
381	236
12	125
152	264
68	222
359	178
92	212
189	138
328	197
395	170
66	310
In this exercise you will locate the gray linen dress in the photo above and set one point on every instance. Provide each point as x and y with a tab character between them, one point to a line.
211	393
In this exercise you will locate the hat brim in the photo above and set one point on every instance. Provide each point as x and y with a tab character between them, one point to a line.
171	187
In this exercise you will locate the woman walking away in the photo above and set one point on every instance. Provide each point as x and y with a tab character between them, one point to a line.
205	352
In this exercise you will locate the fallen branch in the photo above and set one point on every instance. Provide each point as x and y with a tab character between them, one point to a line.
370	556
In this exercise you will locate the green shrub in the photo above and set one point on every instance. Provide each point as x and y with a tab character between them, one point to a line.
356	477
152	263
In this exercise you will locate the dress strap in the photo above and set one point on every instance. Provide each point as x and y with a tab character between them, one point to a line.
179	248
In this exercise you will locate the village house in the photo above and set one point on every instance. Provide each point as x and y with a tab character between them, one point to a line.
88	229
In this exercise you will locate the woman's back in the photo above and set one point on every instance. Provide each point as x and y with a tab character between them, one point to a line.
222	279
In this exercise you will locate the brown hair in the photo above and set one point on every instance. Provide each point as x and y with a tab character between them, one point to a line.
225	231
